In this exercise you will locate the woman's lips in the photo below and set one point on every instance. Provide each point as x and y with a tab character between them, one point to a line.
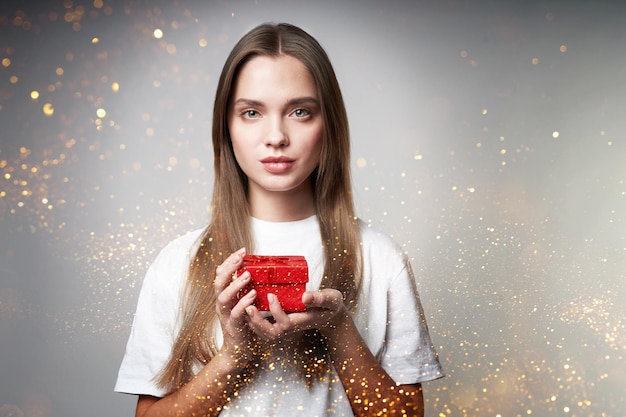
277	165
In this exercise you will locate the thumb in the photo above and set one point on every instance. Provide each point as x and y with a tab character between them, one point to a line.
327	298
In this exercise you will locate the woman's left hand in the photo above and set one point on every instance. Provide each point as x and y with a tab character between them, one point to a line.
324	307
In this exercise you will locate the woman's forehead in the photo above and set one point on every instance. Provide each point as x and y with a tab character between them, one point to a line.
267	78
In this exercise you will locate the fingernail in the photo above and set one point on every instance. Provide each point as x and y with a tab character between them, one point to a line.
271	298
241	252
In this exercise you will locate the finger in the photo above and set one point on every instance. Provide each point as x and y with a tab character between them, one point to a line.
280	323
224	272
266	328
280	317
240	311
229	296
327	298
259	324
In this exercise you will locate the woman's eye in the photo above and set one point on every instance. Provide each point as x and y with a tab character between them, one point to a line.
250	114
301	113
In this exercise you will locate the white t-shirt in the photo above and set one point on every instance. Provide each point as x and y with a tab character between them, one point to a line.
389	318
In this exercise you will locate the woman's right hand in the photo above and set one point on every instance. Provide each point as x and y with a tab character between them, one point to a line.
212	387
239	340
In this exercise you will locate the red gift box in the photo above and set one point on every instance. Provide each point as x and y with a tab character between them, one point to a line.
284	276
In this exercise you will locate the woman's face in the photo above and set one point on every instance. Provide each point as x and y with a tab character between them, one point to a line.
275	125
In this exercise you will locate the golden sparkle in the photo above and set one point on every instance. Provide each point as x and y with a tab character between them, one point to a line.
48	110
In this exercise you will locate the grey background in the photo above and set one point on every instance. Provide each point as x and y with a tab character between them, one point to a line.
488	139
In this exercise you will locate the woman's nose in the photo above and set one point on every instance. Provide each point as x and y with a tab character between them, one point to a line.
276	135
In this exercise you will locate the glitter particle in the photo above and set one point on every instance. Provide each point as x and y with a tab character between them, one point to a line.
48	110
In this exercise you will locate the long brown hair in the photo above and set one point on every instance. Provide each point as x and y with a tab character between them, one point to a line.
229	228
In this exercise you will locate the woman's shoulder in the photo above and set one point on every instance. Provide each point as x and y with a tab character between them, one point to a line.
172	262
384	261
375	241
182	246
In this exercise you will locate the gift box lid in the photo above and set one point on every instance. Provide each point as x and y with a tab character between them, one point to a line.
277	269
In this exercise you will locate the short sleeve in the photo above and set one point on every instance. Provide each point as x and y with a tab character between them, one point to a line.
155	325
408	354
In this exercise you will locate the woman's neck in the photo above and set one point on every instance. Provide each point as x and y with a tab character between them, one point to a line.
282	206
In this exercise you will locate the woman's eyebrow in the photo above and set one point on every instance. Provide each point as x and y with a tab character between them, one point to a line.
247	102
292	102
303	100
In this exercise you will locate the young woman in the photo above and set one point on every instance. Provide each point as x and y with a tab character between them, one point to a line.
282	187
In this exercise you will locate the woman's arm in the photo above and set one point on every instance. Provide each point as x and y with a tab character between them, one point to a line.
208	392
372	392
204	395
